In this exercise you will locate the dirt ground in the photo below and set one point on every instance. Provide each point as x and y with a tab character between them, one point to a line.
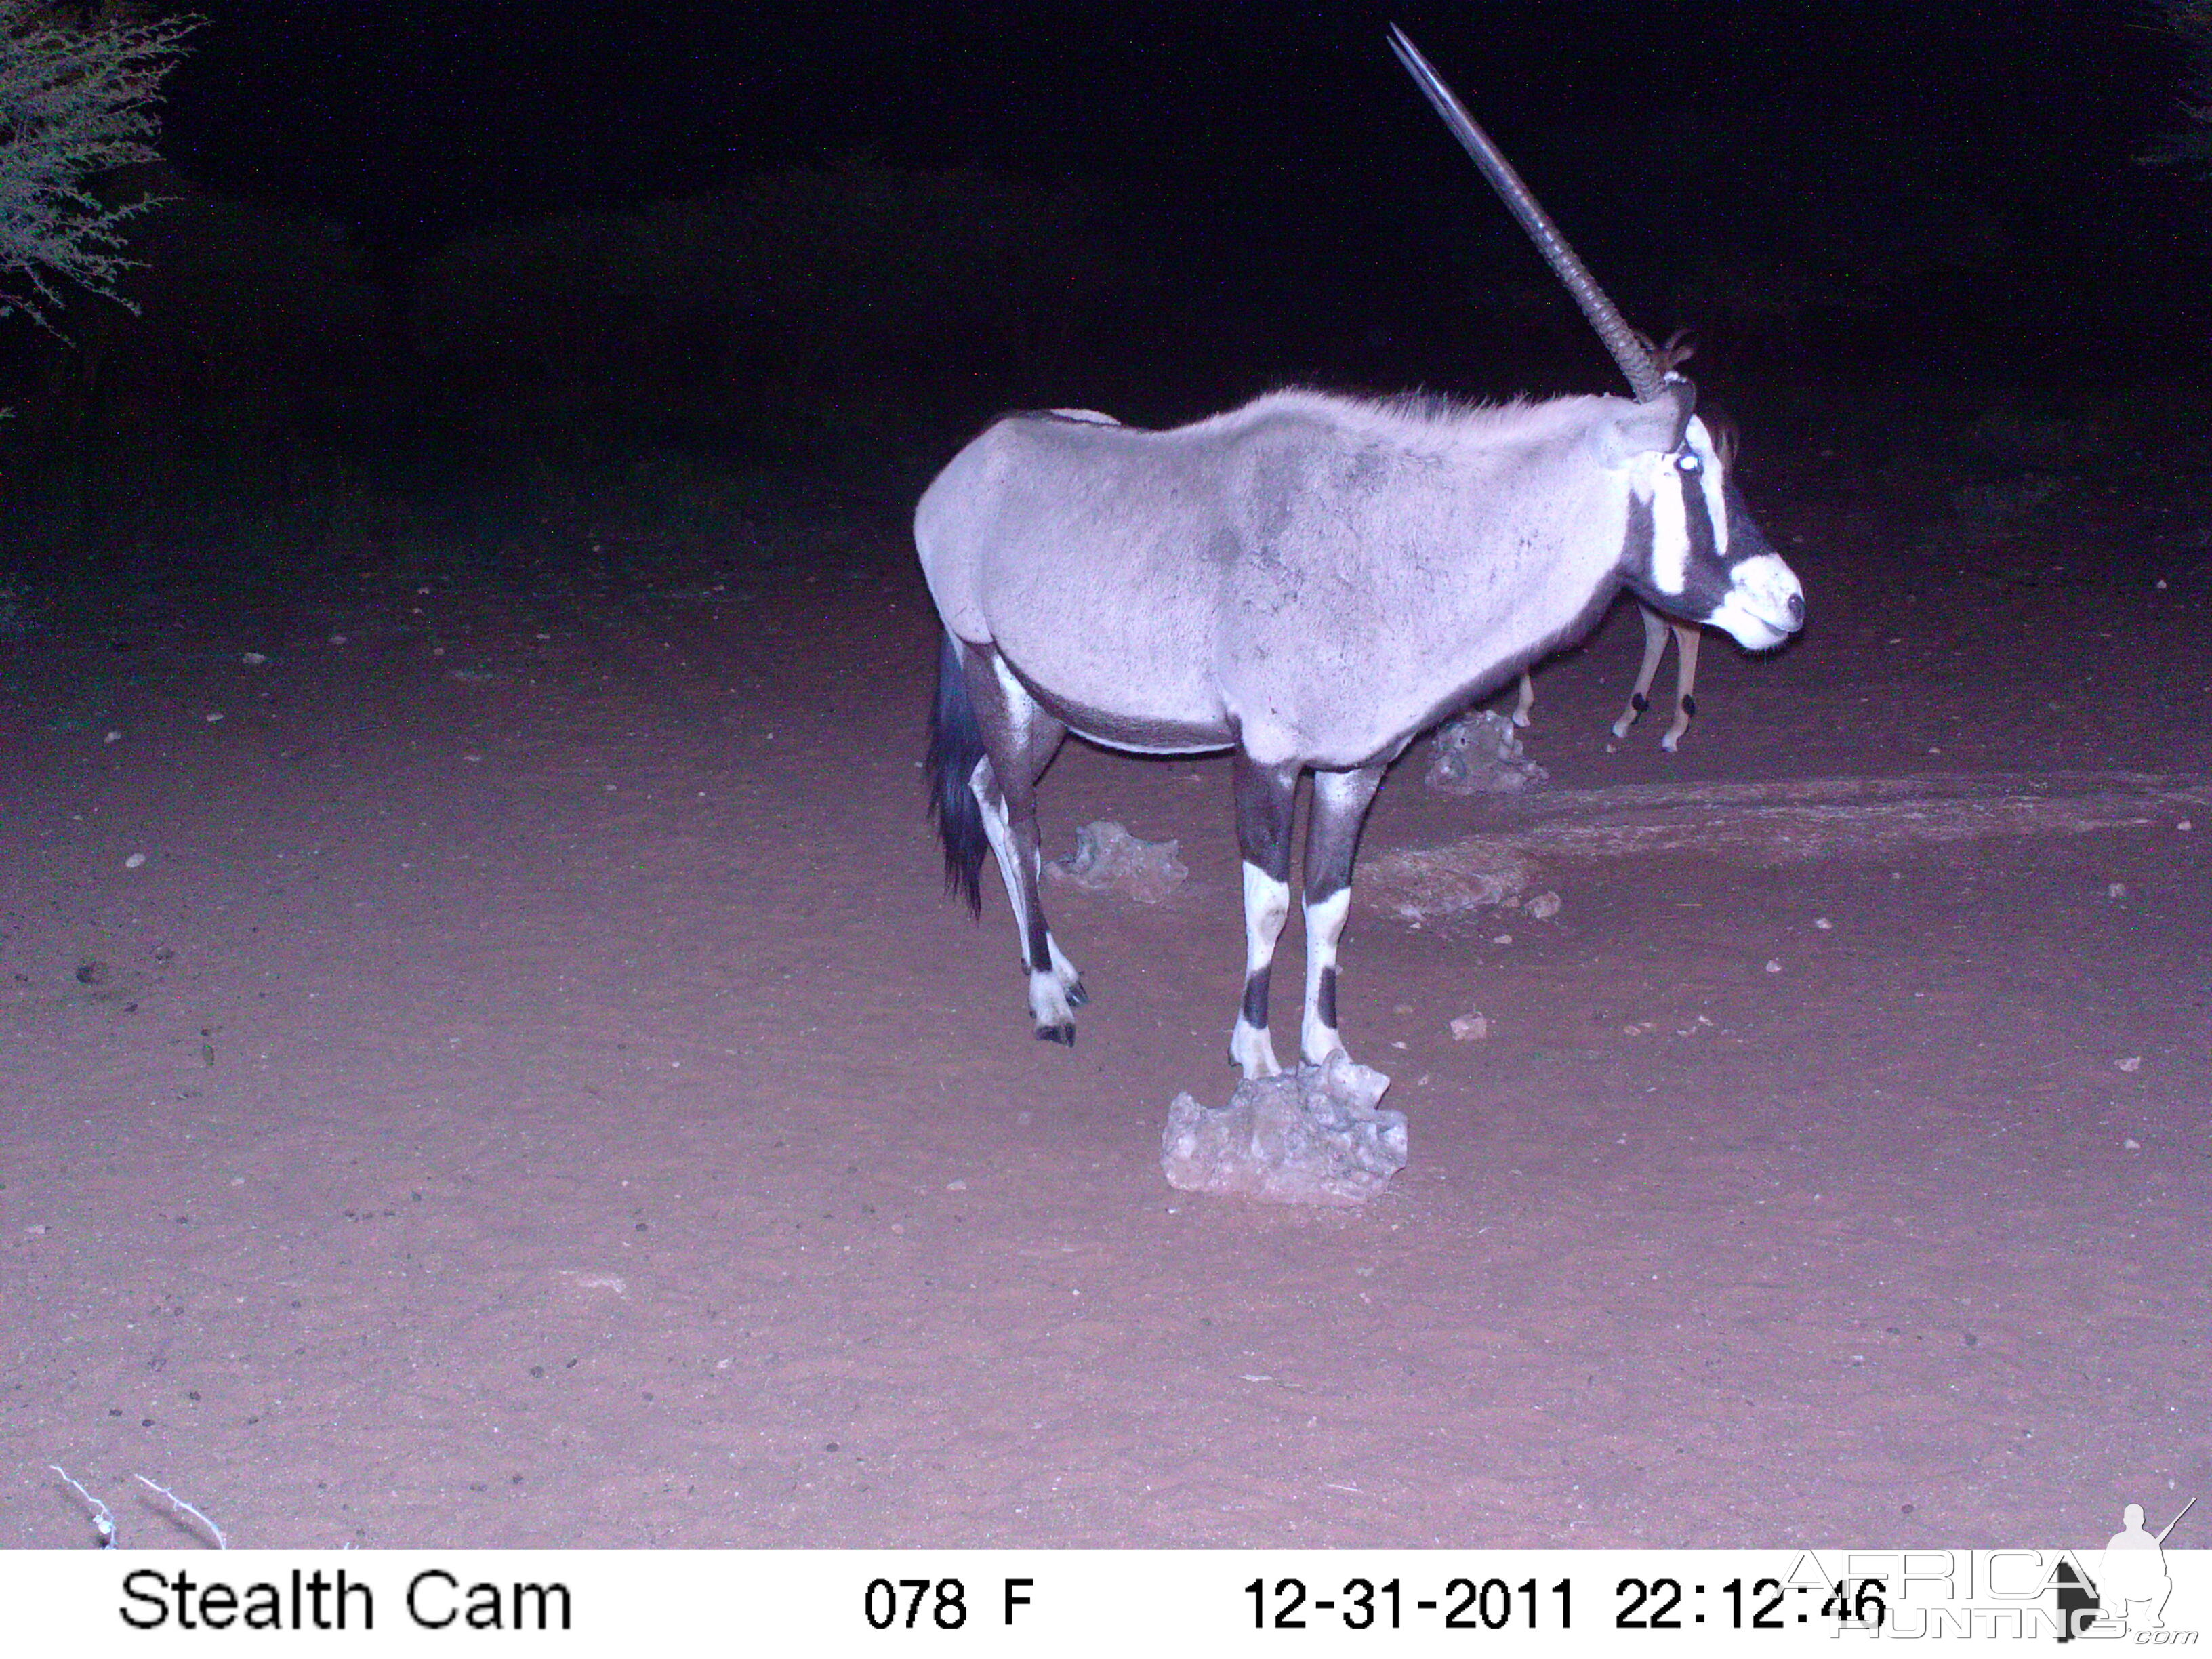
533	1091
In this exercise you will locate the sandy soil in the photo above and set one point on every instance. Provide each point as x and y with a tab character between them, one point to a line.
533	1091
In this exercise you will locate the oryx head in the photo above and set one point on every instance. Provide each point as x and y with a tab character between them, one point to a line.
1692	549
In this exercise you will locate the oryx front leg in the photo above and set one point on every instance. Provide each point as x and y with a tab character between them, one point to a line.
1266	799
1340	800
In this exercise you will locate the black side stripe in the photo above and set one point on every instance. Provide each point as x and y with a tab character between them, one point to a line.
1696	521
1636	543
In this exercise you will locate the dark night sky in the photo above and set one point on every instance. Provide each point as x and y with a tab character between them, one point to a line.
406	120
1271	161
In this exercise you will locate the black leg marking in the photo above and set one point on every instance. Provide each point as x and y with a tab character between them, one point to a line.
1255	1008
1039	953
1340	800
1339	813
1266	800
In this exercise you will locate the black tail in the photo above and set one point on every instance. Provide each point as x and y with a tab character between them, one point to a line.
955	744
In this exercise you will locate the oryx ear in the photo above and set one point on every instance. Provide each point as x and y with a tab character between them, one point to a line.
1722	431
1648	429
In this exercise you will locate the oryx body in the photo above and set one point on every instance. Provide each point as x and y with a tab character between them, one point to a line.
1308	578
1309	581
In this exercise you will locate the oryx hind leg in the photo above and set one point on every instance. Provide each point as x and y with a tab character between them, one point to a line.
1020	740
1340	800
1267	800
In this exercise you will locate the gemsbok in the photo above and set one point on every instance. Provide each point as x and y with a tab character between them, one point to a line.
1309	582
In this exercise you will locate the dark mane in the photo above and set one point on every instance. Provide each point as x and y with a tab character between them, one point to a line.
1427	405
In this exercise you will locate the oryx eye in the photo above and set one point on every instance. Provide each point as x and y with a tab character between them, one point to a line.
1688	462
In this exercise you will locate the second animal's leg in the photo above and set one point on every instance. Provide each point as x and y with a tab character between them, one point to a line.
1021	740
1340	800
1655	646
1686	640
1527	699
1266	799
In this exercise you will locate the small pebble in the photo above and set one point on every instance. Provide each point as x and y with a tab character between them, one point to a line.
252	658
1823	923
2131	1146
337	639
213	718
1773	967
2116	889
1470	1028
134	860
116	737
1544	905
955	1186
2132	1063
2185	825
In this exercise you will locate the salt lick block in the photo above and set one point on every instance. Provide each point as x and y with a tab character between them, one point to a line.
1311	1136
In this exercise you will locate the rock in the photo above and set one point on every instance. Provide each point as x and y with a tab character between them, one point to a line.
1311	1136
1109	859
1479	754
1470	1028
1420	884
1544	905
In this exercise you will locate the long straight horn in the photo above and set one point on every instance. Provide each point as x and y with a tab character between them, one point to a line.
1619	339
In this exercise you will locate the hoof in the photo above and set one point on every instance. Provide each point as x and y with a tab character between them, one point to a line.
1077	996
1063	1035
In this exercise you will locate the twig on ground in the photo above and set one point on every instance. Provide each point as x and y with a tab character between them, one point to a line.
103	1519
221	1542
